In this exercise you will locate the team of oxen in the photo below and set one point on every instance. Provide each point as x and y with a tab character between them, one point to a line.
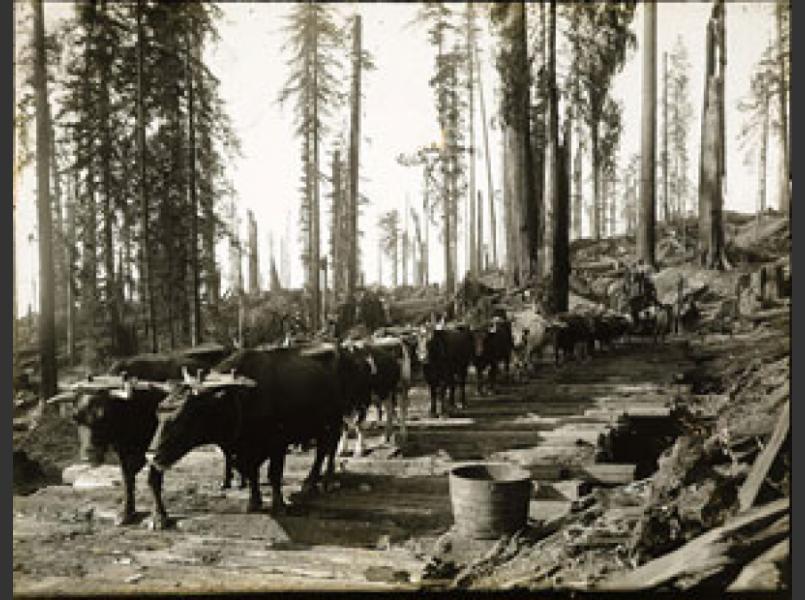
257	403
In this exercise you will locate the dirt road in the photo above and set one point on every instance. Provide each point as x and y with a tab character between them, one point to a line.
377	529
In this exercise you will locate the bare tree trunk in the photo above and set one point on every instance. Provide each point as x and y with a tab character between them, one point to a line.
764	142
711	236
613	205
336	244
454	199
552	174
405	245
426	233
480	238
645	231
315	256
785	191
511	221
560	274
354	156
254	263
704	198
474	253
196	328
577	182
59	260
110	291
146	275
596	207
47	326
665	199
490	190
70	270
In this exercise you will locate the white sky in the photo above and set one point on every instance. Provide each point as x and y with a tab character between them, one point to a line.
398	116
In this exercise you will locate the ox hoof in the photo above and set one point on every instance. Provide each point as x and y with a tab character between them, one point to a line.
309	488
159	523
126	518
254	507
279	510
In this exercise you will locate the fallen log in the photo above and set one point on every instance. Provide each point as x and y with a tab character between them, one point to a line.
713	555
764	573
760	469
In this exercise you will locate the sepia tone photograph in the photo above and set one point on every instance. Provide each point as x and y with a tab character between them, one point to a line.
401	297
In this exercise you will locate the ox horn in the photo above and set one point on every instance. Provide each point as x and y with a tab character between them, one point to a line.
187	377
62	398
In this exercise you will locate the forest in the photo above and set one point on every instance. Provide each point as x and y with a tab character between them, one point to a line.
588	221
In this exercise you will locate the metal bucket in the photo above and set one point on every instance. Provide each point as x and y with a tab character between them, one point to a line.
489	500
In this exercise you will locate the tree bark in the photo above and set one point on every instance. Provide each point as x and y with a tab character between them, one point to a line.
480	224
551	190
196	327
70	258
336	229
254	265
561	230
764	141
354	156
511	222
475	243
645	233
665	199
146	274
315	257
490	190
785	191
110	285
577	183
47	326
595	214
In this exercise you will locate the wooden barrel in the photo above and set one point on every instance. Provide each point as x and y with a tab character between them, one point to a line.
489	500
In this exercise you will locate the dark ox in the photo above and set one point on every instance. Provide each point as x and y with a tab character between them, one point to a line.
121	414
655	321
445	355
572	336
493	346
371	372
295	400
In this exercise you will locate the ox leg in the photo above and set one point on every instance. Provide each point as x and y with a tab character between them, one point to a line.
229	471
159	515
127	515
479	379
343	442
277	469
404	414
323	448
493	377
332	443
434	392
388	404
252	473
359	441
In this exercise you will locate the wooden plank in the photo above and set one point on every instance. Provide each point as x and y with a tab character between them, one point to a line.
760	469
763	573
655	412
712	551
609	474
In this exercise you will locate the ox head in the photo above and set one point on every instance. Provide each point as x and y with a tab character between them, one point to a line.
423	337
99	410
199	412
